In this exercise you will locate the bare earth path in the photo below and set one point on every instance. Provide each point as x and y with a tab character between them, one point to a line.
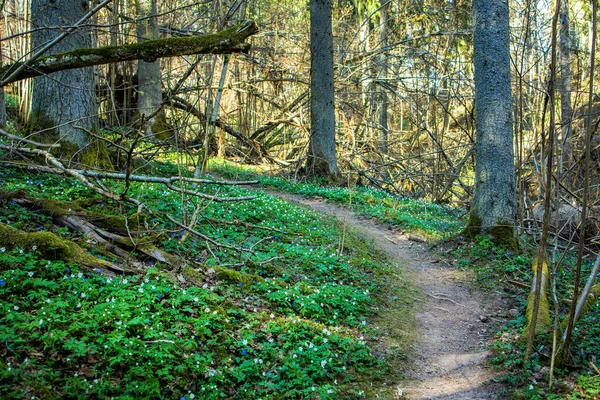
454	324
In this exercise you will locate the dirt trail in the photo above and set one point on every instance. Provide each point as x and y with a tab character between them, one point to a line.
454	324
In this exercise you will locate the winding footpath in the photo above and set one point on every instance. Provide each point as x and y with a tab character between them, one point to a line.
454	322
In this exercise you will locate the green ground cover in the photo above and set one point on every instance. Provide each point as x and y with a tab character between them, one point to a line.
290	319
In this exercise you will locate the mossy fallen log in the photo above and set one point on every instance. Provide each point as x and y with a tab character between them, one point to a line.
53	247
228	41
59	210
115	233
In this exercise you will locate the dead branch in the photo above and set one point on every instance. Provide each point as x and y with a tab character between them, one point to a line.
108	194
225	42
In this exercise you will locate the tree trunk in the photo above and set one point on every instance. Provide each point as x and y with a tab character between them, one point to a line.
149	76
69	97
383	112
2	98
321	152
566	109
494	205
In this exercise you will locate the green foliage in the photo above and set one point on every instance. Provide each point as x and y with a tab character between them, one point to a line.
590	386
493	266
431	220
289	320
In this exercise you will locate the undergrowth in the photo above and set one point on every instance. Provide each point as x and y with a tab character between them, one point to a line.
422	217
494	267
289	319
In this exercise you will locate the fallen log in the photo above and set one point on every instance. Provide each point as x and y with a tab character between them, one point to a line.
225	42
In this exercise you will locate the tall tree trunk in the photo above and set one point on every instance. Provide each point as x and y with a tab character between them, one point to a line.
566	109
366	79
383	98
149	76
494	205
321	152
2	99
67	98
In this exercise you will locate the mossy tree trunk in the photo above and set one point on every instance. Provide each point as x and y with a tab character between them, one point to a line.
321	150
69	97
2	97
494	205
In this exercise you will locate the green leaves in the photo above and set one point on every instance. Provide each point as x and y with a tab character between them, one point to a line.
288	319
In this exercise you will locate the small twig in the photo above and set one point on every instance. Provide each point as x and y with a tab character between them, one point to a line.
260	241
160	341
28	141
213	254
191	224
129	161
99	137
244	224
201	235
519	284
269	260
444	298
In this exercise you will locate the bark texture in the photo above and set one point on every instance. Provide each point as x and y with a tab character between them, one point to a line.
2	99
322	152
149	76
494	205
69	97
383	98
225	42
566	109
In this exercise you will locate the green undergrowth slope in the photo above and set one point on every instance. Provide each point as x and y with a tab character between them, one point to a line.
494	267
292	316
430	220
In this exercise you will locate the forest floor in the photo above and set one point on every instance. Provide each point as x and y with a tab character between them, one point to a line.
455	321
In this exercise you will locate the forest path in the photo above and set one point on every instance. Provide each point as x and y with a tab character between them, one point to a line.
454	321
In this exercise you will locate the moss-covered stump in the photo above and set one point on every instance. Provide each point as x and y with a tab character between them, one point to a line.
51	246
